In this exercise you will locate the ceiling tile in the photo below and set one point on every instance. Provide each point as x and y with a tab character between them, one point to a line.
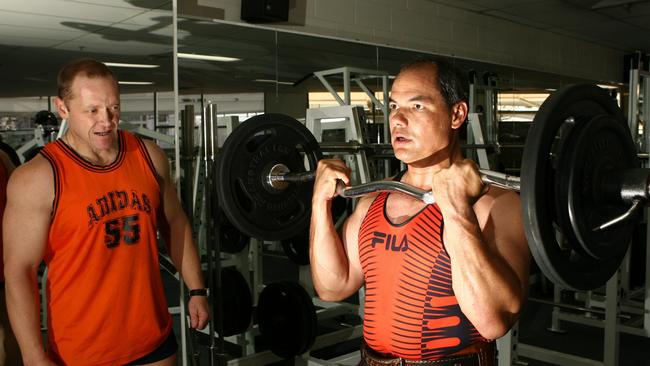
642	22
517	19
67	9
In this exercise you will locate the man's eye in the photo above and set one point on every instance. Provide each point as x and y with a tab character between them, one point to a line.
418	107
392	106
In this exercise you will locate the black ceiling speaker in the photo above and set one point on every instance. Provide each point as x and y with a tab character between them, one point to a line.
265	11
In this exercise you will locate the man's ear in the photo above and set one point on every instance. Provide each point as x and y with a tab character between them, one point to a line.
458	114
61	108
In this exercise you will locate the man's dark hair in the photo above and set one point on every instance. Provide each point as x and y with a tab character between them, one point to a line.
452	83
85	67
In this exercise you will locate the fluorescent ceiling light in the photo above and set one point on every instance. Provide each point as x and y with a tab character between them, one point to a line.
273	81
135	82
605	86
138	66
194	56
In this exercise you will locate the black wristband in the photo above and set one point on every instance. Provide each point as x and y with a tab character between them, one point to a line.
199	292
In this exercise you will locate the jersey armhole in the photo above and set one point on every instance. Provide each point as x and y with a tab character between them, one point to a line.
57	180
145	153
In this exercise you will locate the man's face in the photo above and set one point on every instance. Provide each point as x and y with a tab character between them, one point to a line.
421	123
92	112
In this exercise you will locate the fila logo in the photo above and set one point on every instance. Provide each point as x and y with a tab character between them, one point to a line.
389	241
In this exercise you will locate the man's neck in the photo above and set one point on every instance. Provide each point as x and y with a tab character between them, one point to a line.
95	157
420	174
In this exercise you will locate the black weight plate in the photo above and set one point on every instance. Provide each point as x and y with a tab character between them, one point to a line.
560	262
339	207
13	156
252	149
232	240
237	306
562	152
287	318
297	247
603	146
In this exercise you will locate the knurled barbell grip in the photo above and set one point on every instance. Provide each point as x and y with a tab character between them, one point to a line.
487	176
384	186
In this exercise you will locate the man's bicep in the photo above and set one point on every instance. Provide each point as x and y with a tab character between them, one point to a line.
26	219
350	240
510	237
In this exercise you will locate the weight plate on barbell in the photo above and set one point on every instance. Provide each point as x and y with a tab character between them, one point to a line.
556	251
251	204
287	318
603	147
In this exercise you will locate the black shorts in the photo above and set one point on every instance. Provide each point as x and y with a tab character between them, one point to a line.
166	349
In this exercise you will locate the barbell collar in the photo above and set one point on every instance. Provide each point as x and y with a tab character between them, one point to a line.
626	186
279	176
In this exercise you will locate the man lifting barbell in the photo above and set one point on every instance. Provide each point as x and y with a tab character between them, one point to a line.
441	280
581	191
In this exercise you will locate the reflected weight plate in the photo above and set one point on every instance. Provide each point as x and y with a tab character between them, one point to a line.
287	318
251	204
231	239
554	246
237	303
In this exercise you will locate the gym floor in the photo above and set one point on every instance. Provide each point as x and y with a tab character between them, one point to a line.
579	340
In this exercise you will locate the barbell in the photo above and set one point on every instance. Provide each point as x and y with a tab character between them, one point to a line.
581	186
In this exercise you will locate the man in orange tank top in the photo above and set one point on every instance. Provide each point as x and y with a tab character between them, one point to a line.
89	205
442	280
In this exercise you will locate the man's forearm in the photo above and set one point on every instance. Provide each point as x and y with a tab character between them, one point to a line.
184	254
478	274
23	307
329	261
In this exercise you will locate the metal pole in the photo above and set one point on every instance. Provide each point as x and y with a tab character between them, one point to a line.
212	239
612	309
178	169
155	111
187	151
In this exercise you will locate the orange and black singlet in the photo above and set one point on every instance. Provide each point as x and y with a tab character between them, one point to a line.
105	300
410	308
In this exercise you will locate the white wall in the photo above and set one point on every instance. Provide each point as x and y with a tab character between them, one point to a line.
427	26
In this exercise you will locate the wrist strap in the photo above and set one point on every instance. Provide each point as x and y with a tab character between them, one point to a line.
199	292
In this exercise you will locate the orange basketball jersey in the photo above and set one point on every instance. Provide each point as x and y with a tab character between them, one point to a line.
106	304
410	307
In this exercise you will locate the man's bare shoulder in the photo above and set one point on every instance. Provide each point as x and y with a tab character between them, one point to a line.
499	196
33	178
158	157
498	201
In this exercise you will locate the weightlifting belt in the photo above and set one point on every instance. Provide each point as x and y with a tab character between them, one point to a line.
477	354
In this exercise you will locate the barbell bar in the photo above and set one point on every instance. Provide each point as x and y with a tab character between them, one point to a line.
634	189
580	185
279	175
